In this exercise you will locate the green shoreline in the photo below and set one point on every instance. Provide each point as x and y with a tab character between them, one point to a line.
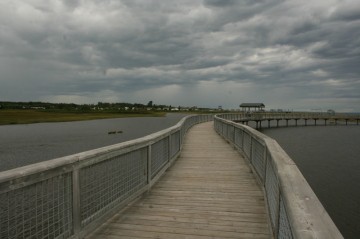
11	117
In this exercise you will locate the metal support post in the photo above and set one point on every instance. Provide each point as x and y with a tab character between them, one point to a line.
76	203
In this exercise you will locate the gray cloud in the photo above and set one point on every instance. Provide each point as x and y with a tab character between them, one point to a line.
287	54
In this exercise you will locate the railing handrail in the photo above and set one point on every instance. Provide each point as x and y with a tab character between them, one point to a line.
294	209
30	169
68	197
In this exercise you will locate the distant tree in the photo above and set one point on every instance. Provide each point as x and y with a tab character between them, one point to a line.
150	104
139	106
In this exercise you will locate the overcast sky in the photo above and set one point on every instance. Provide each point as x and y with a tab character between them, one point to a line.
295	54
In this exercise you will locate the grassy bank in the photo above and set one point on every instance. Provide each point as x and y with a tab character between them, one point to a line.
37	116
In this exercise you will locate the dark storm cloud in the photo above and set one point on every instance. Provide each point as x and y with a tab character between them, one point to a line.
220	3
182	52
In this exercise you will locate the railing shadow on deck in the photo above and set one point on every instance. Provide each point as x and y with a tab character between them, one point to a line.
293	208
70	196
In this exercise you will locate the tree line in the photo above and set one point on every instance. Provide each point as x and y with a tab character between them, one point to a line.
100	106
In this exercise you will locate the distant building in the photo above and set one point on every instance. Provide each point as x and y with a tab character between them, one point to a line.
255	106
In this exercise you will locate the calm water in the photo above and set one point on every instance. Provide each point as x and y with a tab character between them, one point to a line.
329	158
27	144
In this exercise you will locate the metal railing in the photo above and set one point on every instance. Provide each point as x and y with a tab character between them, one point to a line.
293	208
69	197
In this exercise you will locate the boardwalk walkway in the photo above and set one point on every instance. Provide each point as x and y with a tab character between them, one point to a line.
209	192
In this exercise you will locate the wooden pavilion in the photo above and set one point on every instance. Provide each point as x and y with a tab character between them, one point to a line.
255	106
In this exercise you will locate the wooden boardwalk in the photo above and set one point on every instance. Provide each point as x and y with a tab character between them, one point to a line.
209	192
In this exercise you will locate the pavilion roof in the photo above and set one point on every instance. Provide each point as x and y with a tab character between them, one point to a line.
252	105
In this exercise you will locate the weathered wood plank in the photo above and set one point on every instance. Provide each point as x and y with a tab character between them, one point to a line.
210	192
118	229
196	222
239	217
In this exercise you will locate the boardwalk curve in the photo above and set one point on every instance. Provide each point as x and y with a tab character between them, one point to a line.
210	192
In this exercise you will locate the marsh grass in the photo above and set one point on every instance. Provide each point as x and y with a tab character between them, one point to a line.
37	116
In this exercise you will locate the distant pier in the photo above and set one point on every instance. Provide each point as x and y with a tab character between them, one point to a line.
260	120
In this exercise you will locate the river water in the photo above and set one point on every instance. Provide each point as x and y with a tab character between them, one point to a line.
32	143
329	159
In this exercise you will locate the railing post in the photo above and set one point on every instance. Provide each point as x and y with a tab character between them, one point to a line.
242	141
265	165
233	135
76	203
149	166
169	148
181	137
251	150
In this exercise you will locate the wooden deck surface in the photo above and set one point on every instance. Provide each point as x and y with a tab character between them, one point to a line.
209	192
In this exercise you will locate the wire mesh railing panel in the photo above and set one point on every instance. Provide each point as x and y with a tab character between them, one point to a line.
284	225
223	129
159	155
258	158
238	138
40	210
247	145
272	192
217	126
175	143
189	122
230	133
182	134
110	182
